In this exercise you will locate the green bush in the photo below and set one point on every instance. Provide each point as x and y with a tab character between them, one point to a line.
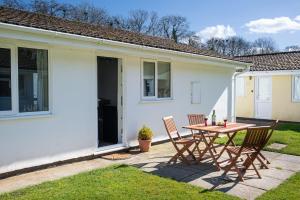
145	133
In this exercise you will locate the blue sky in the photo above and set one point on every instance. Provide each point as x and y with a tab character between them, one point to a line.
279	19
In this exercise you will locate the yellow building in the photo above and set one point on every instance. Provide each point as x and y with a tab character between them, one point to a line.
271	89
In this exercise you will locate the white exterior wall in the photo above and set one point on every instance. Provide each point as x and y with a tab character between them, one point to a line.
70	130
215	94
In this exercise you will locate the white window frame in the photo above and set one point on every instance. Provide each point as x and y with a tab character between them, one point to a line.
293	88
155	97
14	113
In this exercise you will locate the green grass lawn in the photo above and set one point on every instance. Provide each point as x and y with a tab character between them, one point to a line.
116	182
125	182
290	189
288	134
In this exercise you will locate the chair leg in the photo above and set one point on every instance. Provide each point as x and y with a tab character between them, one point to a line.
191	154
174	158
262	164
232	164
263	157
254	168
181	151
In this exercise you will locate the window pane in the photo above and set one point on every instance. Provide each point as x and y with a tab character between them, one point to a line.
33	80
164	77
297	88
5	80
149	79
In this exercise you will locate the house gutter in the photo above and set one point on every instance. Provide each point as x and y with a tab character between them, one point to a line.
233	97
114	43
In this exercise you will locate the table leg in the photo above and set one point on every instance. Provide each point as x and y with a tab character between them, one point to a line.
230	141
209	149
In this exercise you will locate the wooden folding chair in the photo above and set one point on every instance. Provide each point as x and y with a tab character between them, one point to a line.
181	145
253	143
261	158
195	119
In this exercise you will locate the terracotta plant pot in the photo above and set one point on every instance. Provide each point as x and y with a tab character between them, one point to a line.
144	145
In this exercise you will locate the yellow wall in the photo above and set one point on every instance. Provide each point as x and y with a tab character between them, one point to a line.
282	106
245	104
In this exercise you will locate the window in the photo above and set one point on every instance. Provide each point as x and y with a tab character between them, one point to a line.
296	88
149	79
156	80
5	80
164	80
33	80
240	86
196	93
23	80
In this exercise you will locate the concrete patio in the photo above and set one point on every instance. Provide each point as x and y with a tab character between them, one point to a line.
203	175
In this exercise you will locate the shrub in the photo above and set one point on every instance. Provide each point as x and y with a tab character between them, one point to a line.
145	133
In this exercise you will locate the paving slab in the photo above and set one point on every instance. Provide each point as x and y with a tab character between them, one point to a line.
265	183
277	146
290	158
50	174
282	164
203	175
173	173
240	190
280	174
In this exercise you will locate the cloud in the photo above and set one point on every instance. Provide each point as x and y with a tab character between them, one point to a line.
274	25
219	31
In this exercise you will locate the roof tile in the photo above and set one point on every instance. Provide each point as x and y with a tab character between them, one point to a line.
273	61
40	21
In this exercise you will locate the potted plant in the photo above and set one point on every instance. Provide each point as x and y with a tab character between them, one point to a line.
145	137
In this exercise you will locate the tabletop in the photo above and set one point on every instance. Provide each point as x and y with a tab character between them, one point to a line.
230	127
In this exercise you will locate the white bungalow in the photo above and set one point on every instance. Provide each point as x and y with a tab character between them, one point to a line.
70	90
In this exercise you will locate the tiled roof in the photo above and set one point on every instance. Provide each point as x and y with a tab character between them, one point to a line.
40	21
273	61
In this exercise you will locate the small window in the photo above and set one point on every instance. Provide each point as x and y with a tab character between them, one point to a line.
149	79
196	93
156	80
33	80
164	80
296	88
240	86
5	80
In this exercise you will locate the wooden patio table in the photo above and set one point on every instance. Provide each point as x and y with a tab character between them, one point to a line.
230	130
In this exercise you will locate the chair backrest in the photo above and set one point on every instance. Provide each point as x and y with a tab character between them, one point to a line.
257	137
196	119
171	127
273	126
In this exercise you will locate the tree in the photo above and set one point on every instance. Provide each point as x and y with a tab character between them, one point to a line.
174	27
153	28
237	46
195	41
51	7
17	4
137	20
263	45
232	46
118	22
217	45
292	48
88	13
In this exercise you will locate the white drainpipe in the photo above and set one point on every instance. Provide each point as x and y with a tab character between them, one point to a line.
233	97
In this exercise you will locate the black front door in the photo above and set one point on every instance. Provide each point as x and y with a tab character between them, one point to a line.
107	101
